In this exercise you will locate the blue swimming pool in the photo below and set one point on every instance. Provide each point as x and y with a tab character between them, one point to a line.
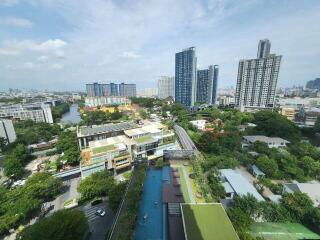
150	223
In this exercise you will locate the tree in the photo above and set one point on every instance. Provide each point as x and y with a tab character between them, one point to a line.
43	186
116	194
3	143
67	143
12	167
240	220
64	224
275	125
297	204
268	165
143	114
96	185
260	147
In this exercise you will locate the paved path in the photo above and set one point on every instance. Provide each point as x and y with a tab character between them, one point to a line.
189	188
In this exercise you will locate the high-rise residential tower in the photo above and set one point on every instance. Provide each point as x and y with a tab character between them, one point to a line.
207	85
127	90
165	87
95	90
263	48
186	77
257	82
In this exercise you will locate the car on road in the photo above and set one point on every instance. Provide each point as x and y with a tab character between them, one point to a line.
100	212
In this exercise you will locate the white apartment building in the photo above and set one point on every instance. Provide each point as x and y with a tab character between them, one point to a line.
38	112
7	130
257	82
166	87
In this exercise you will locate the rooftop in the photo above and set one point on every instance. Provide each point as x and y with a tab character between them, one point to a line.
239	184
282	231
265	139
311	189
105	128
103	149
144	139
207	221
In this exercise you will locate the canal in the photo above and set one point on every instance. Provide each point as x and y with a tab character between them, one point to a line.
73	116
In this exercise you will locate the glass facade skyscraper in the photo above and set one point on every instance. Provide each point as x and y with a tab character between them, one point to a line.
207	80
111	89
186	77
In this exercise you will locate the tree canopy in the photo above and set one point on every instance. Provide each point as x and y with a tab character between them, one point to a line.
64	224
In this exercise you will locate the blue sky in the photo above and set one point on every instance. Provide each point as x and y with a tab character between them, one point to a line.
63	44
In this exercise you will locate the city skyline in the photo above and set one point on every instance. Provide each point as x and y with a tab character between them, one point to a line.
45	49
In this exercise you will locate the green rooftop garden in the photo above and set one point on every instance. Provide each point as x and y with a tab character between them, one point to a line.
144	139
102	149
282	231
207	221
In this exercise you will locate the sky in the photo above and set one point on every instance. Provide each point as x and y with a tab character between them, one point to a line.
64	44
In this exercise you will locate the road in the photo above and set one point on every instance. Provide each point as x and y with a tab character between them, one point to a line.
185	140
99	226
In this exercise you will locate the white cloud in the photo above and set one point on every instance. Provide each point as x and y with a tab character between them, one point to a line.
56	66
28	65
16	22
9	52
43	58
51	46
130	55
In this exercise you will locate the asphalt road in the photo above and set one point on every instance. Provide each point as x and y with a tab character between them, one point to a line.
99	226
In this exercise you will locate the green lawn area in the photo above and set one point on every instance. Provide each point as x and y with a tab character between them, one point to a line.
144	139
282	231
102	149
207	221
194	187
184	186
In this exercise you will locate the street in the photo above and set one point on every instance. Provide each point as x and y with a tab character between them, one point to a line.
99	226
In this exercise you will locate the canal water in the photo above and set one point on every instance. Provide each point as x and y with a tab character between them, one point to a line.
73	116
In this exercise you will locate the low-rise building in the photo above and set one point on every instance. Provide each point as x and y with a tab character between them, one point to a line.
289	112
235	184
199	124
106	101
114	153
85	134
272	142
311	189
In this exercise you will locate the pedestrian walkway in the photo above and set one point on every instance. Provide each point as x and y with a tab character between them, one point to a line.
91	213
190	192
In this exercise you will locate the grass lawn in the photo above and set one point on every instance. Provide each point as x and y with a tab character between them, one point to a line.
194	187
282	231
184	186
207	221
144	139
102	149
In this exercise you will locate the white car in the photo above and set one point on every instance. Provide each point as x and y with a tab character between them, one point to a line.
100	212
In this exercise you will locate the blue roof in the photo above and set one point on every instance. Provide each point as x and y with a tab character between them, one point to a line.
240	185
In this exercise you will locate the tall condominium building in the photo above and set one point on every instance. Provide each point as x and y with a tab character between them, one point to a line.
110	89
7	130
95	90
186	77
257	82
207	85
127	90
165	87
263	48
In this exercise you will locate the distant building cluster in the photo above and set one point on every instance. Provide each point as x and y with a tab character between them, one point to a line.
148	92
111	89
192	85
313	84
38	112
257	79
